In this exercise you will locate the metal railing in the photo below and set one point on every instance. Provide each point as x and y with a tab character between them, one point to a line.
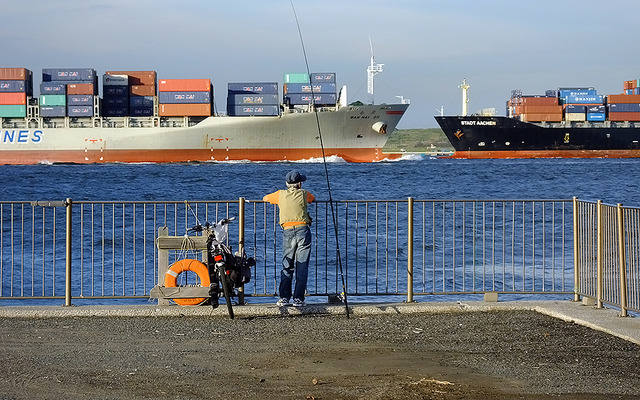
107	250
607	254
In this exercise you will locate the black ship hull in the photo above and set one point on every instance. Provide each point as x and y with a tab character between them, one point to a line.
502	137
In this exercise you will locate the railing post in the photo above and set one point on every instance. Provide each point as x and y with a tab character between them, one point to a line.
241	202
163	263
410	250
67	291
576	249
623	262
599	258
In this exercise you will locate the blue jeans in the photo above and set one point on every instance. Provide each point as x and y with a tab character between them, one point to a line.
296	249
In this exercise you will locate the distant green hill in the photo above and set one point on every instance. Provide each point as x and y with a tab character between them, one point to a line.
418	140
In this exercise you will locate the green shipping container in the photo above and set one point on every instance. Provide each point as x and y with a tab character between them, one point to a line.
296	78
51	100
13	111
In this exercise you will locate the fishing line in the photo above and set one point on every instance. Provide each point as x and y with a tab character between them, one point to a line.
324	162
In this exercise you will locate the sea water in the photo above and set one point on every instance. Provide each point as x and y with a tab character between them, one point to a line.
422	178
610	180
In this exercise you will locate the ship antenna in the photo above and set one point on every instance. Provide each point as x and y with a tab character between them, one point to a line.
326	170
372	70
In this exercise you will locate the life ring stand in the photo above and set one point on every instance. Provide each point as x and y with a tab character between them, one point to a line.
171	279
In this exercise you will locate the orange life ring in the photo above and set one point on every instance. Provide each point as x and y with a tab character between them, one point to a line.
171	279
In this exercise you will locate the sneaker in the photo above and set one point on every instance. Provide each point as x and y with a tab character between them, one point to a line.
282	302
299	303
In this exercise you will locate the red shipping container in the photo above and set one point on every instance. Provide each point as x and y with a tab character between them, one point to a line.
624	116
184	85
629	85
623	98
541	117
185	110
539	101
81	88
7	99
538	109
15	74
141	90
146	78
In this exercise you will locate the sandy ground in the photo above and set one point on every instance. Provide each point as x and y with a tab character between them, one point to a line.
462	355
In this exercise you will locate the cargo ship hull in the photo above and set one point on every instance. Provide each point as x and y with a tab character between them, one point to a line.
502	137
353	133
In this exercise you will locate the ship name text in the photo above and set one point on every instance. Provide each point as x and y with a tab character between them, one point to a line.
476	122
21	136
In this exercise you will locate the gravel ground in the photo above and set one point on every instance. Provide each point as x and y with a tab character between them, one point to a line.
465	355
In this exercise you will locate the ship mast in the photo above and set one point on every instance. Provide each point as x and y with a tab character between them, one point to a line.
372	70
465	99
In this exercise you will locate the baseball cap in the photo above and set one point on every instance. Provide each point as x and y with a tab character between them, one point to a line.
294	176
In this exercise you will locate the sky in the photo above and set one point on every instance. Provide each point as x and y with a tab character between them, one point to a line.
427	47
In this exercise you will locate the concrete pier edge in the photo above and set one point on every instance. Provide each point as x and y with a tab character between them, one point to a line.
606	320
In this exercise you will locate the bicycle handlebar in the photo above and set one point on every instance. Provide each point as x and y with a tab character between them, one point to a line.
207	225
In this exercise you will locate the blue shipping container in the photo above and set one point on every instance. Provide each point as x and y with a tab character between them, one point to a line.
306	88
303	99
75	75
141	111
79	100
116	101
577	91
623	107
110	90
115	80
329	77
240	99
53	88
262	110
571	108
253	88
596	117
56	111
184	97
13	86
596	109
80	111
584	99
115	111
141	101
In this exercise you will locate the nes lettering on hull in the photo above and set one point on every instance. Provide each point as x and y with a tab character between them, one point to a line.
21	136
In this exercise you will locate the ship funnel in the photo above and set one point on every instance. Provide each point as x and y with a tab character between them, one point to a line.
380	127
342	97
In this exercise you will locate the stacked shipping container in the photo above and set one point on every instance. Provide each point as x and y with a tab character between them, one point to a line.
253	99
303	89
534	108
115	95
185	97
581	104
68	90
577	105
129	93
16	85
626	106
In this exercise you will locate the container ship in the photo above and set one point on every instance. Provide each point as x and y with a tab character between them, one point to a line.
140	118
568	122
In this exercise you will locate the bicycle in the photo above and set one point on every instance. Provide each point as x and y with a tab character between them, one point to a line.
222	270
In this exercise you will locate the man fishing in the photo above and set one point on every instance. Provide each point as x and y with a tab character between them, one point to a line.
296	245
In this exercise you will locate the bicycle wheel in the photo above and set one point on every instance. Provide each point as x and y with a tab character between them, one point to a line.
226	289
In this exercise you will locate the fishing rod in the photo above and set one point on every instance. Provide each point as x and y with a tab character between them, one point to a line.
343	295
